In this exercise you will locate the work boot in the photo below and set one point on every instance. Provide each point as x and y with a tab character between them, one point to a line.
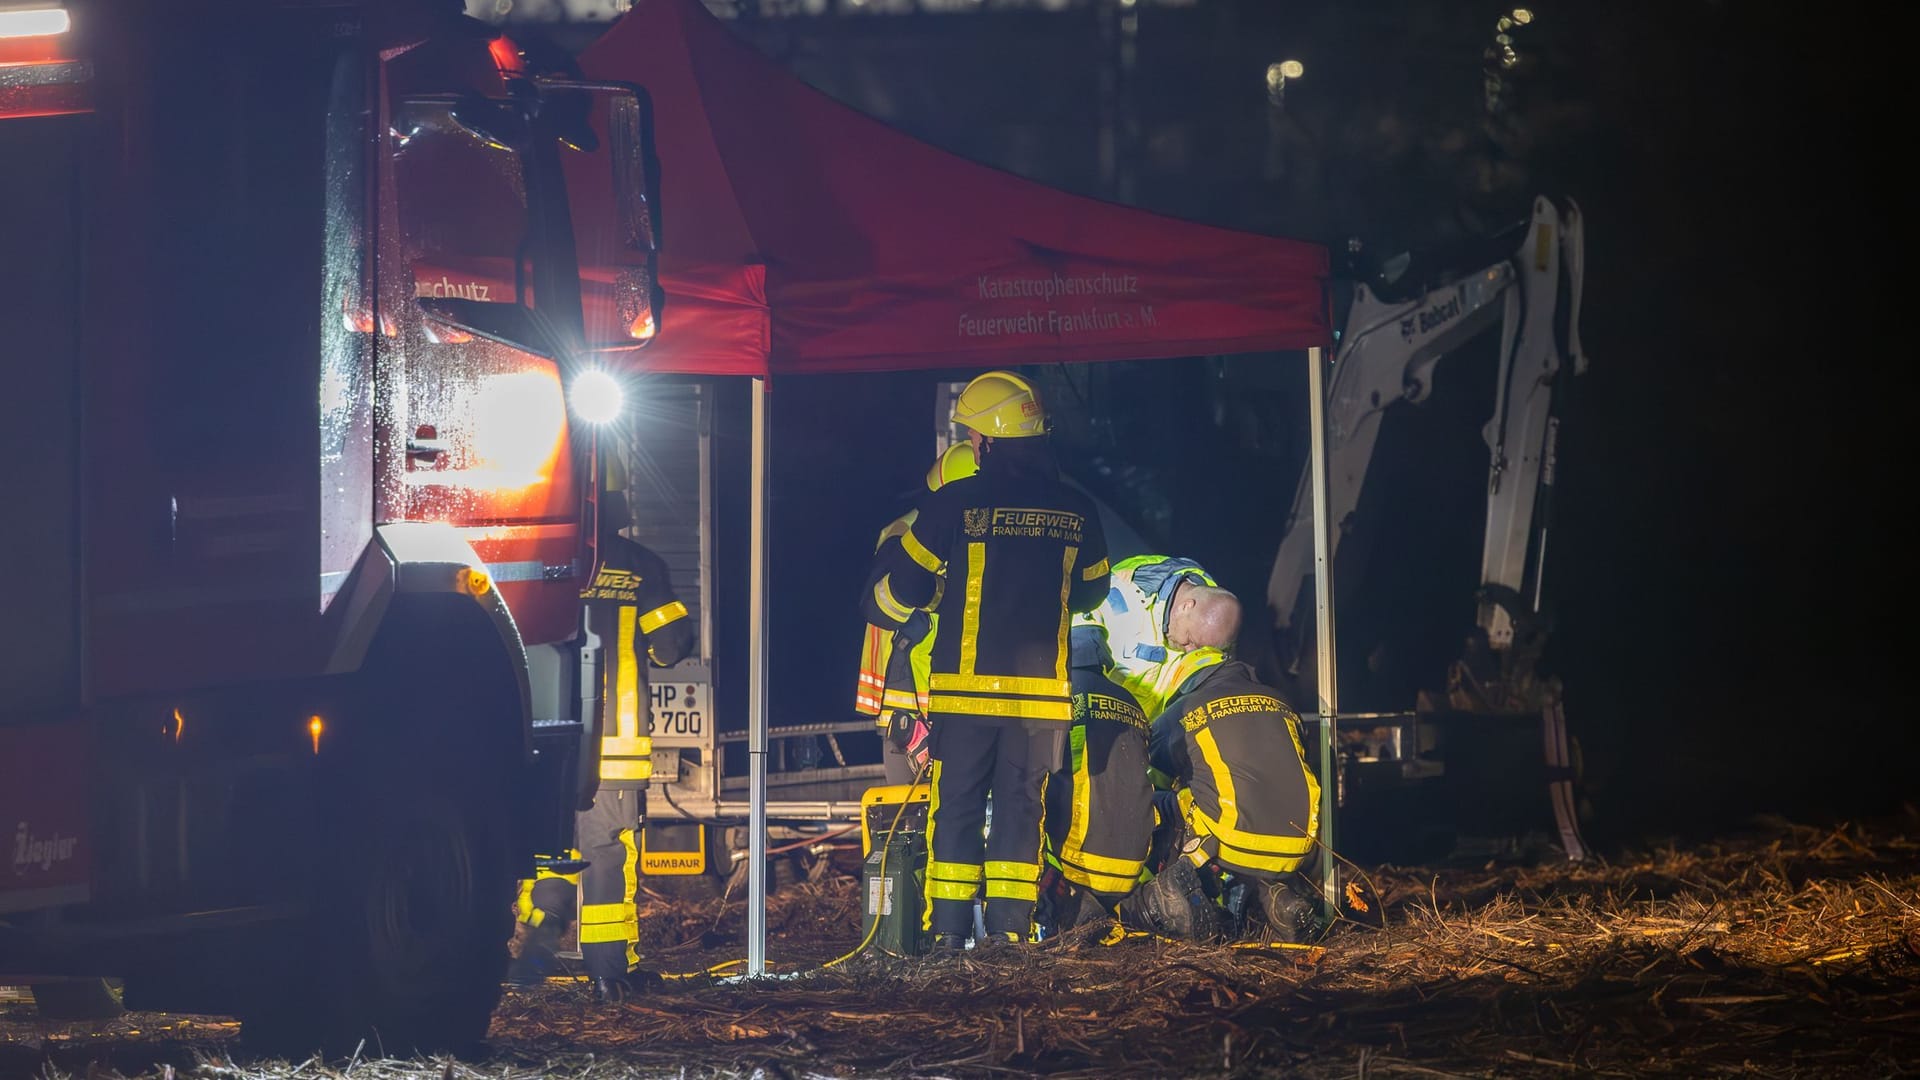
629	986
1289	916
1174	904
949	942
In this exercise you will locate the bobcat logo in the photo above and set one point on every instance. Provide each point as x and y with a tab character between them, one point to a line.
976	521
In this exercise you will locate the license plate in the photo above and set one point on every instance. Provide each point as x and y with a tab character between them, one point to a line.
682	710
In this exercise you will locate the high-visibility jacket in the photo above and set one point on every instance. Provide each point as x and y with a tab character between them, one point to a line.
891	680
1135	612
1003	557
631	607
1234	750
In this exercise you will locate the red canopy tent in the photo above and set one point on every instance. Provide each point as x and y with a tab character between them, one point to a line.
803	236
800	236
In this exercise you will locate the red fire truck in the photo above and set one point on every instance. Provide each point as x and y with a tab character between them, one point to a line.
295	322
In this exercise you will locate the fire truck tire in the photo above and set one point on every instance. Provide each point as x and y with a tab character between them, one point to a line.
406	948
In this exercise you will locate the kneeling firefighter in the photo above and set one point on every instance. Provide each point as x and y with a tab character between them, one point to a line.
898	650
632	609
1099	806
1244	809
1005	557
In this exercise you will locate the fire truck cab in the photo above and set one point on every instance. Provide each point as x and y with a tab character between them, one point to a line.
297	325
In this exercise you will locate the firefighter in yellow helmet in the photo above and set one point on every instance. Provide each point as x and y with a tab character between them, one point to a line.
894	657
1004	557
631	607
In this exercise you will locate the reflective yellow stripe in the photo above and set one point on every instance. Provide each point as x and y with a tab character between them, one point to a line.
599	933
1012	890
1278	854
1105	864
933	817
523	905
1066	589
1222	778
626	693
1016	871
1111	883
1000	684
1082	812
891	608
613	746
1092	573
952	890
662	615
1014	708
953	871
632	913
970	616
918	552
626	768
902	699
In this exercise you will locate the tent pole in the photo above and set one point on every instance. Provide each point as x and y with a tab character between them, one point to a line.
757	696
1328	690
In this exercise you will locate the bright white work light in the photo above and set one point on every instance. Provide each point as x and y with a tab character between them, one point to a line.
33	22
596	397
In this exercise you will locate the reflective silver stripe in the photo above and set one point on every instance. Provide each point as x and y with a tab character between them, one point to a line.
14	76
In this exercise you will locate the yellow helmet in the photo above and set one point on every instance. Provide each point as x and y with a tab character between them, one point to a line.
1001	405
957	463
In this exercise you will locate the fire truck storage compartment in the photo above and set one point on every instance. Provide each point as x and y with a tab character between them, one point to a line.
40	243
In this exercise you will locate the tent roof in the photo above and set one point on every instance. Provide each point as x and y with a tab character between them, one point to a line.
800	235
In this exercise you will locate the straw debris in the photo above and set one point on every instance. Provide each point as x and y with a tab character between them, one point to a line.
1791	951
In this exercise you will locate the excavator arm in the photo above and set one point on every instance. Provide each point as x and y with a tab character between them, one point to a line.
1388	354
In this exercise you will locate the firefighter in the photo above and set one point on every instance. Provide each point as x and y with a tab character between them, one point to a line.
1159	609
1004	557
899	644
632	609
1244	806
541	915
1099	806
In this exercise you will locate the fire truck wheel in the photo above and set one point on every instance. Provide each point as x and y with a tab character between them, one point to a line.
406	949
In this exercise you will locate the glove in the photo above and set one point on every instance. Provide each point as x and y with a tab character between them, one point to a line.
912	735
913	631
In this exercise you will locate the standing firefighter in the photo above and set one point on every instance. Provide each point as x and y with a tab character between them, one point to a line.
632	609
1100	804
1004	557
1159	609
897	652
1245	804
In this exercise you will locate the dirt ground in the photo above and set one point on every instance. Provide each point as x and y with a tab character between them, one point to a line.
1788	951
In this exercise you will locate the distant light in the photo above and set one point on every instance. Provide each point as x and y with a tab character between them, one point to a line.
33	22
1292	69
1278	74
596	397
314	727
1523	16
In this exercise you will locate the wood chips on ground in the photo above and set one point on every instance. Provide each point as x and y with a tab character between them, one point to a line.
1791	951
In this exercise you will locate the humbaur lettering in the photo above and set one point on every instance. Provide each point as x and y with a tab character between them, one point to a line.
454	290
656	863
32	852
1053	285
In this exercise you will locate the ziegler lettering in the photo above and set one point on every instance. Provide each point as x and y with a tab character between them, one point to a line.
32	852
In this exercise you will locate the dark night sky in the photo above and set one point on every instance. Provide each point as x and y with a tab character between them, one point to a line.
1730	613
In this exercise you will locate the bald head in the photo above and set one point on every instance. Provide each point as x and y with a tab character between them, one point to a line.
1203	616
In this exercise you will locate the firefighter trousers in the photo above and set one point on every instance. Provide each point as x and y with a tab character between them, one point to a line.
609	920
973	759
